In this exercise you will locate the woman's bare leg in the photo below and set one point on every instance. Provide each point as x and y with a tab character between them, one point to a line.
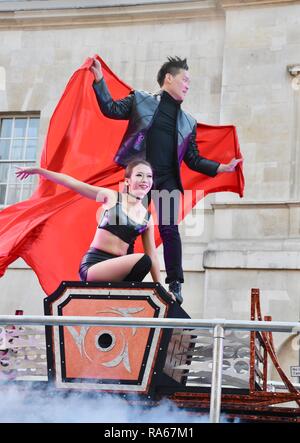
113	269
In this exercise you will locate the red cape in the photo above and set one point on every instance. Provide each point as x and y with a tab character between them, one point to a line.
52	230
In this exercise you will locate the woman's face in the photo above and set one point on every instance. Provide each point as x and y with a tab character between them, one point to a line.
140	181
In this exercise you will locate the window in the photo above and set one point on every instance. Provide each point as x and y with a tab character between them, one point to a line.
18	147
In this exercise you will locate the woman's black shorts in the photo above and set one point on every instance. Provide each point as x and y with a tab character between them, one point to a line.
92	257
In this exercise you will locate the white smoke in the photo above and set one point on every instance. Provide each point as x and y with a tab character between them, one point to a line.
31	404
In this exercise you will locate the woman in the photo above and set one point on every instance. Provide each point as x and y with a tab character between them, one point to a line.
123	219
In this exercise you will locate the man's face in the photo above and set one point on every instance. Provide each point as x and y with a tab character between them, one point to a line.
177	85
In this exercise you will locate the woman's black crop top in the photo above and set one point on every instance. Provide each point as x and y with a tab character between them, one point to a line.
116	221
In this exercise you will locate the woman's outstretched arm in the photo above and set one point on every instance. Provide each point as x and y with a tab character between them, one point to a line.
89	191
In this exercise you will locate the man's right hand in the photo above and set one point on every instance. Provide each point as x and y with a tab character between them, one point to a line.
96	70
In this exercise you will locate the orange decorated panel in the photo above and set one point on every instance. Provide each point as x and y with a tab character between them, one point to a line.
105	352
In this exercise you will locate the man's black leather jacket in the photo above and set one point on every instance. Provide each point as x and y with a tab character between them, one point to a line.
139	107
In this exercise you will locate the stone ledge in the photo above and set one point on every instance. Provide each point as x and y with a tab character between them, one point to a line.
14	5
261	244
94	16
25	5
257	205
238	3
279	260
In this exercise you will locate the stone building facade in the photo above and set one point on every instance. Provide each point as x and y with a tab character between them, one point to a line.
238	52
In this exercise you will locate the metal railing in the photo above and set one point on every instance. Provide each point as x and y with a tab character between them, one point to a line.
217	325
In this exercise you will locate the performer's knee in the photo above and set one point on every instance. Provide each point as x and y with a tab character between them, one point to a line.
140	269
147	262
144	264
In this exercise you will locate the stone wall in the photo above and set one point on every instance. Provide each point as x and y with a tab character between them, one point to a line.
238	56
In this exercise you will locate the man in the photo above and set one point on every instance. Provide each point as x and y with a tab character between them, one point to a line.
162	133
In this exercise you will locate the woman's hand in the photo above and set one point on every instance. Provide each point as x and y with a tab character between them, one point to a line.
24	172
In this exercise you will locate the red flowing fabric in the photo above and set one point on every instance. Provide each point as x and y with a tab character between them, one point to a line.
53	229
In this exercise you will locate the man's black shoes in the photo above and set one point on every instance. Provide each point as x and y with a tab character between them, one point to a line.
175	288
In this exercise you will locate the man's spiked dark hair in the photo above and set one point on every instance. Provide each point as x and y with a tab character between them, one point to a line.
172	66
